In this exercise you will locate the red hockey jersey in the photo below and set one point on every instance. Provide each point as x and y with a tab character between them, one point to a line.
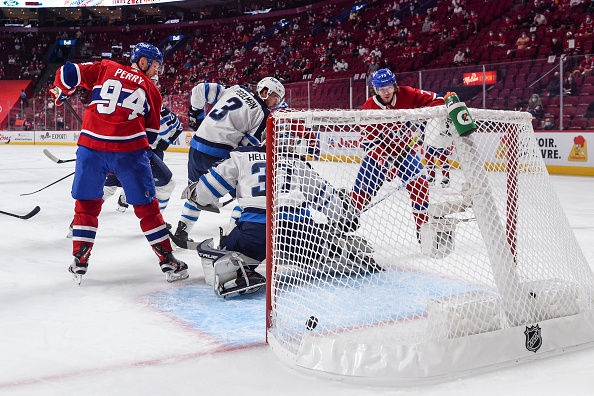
405	98
125	104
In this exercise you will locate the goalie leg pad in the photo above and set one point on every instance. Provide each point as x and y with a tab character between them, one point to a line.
229	272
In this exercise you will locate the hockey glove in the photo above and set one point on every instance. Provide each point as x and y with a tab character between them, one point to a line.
161	145
196	116
59	95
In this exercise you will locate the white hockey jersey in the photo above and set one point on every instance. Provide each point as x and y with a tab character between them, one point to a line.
238	118
245	171
170	129
301	188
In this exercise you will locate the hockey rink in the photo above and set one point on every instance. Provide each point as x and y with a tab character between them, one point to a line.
126	331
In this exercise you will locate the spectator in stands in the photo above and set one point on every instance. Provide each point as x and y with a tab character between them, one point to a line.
492	40
587	26
523	41
520	23
535	107
459	58
554	86
549	124
533	41
587	64
539	20
570	87
556	47
341	65
468	59
501	40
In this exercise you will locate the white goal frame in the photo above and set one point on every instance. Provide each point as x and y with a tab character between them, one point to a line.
522	316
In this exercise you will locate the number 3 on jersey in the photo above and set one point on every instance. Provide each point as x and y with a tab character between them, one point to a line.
219	114
112	94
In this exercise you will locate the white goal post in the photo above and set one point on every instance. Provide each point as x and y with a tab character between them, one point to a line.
417	281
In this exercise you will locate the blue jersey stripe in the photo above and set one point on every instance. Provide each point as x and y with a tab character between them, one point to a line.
220	179
210	187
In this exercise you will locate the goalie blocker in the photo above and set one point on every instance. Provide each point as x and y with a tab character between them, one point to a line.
229	273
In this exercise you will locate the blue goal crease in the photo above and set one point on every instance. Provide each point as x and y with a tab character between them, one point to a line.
241	321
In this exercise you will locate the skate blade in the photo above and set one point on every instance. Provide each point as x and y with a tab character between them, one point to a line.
77	278
176	276
121	209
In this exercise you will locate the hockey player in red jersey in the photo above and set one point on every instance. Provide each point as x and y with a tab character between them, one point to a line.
124	109
389	146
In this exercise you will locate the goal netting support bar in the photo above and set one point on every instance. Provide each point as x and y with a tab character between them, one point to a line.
373	272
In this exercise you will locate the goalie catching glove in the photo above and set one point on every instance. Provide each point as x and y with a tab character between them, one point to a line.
59	95
195	116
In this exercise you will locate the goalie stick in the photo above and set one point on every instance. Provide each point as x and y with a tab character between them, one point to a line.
56	159
49	185
24	217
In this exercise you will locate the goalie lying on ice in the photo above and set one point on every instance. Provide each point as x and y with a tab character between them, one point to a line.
301	189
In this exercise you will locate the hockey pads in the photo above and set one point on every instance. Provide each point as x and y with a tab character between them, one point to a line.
349	222
350	254
59	95
229	273
195	116
189	193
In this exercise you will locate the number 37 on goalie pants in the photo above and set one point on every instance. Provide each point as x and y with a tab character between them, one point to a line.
229	273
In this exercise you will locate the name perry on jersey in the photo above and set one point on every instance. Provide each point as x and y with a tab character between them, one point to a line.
135	78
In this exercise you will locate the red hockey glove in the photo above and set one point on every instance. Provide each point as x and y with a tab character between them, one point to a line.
59	95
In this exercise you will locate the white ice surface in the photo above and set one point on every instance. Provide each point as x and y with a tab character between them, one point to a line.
57	338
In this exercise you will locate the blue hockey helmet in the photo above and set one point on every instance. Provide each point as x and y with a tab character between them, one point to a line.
149	51
383	78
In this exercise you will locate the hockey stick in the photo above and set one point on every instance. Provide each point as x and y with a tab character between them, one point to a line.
24	217
56	159
69	107
49	185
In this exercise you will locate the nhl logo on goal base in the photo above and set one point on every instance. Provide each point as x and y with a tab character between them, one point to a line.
533	338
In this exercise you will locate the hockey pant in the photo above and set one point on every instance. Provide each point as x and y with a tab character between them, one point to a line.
441	154
247	238
373	172
134	173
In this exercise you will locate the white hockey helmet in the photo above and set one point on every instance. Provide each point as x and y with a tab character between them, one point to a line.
273	85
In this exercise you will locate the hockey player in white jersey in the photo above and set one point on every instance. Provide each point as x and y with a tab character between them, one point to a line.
231	268
237	118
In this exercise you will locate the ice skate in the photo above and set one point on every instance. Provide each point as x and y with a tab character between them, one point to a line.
174	269
80	264
122	204
180	238
445	182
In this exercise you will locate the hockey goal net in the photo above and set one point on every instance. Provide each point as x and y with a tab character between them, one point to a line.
417	280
